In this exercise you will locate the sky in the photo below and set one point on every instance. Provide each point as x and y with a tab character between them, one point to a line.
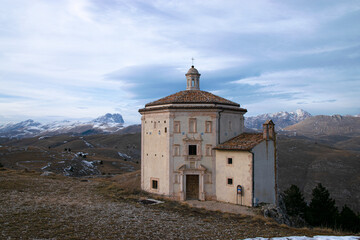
80	59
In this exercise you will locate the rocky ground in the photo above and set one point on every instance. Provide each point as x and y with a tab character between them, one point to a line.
59	207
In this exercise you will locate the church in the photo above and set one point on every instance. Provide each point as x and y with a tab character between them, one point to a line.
193	146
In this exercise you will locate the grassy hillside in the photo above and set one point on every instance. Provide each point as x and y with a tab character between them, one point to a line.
104	154
305	162
49	207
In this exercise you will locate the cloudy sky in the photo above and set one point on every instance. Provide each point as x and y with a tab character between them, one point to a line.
69	59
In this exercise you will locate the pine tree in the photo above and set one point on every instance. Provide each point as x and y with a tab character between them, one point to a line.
348	220
322	210
294	201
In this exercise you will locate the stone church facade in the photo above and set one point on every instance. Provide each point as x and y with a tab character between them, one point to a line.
193	146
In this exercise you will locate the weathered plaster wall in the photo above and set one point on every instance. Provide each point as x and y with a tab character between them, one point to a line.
240	171
264	172
155	153
231	125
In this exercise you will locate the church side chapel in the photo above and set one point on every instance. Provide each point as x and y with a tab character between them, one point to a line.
193	146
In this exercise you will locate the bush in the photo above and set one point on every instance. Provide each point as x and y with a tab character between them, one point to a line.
322	210
294	201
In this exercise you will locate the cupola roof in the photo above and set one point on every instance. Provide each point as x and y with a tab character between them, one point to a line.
192	70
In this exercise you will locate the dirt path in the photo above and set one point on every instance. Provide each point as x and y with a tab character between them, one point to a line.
222	207
56	207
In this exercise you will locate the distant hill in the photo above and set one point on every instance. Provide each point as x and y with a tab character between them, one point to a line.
281	119
323	125
306	162
109	123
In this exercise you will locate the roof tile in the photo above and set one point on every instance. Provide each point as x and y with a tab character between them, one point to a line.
192	96
244	141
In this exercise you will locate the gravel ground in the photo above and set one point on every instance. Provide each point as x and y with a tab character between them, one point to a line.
57	207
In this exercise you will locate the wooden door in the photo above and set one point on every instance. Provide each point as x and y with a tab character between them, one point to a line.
192	186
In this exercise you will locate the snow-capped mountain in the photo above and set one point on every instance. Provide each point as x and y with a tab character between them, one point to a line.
108	123
281	119
109	118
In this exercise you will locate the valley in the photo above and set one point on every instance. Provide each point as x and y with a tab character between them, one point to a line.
319	149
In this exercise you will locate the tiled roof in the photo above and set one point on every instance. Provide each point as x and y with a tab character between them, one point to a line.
192	96
244	141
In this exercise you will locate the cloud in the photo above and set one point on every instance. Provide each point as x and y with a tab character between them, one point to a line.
85	58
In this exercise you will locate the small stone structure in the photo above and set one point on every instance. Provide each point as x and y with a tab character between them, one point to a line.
193	146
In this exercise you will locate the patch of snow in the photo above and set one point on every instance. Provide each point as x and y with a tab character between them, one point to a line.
46	173
87	163
123	155
308	238
81	153
88	144
48	165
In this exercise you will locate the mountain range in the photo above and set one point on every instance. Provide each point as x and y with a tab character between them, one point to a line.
109	123
281	119
297	122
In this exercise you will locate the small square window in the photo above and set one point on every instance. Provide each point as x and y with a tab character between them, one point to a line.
229	161
230	181
154	184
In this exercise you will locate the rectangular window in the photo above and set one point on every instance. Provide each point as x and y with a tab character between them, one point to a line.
154	184
208	150
230	181
154	124
208	126
165	130
192	149
192	125
230	125
229	161
176	126
176	150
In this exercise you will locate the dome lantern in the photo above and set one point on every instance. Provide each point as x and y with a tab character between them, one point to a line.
192	79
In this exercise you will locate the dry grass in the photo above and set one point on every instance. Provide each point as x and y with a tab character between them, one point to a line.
34	206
